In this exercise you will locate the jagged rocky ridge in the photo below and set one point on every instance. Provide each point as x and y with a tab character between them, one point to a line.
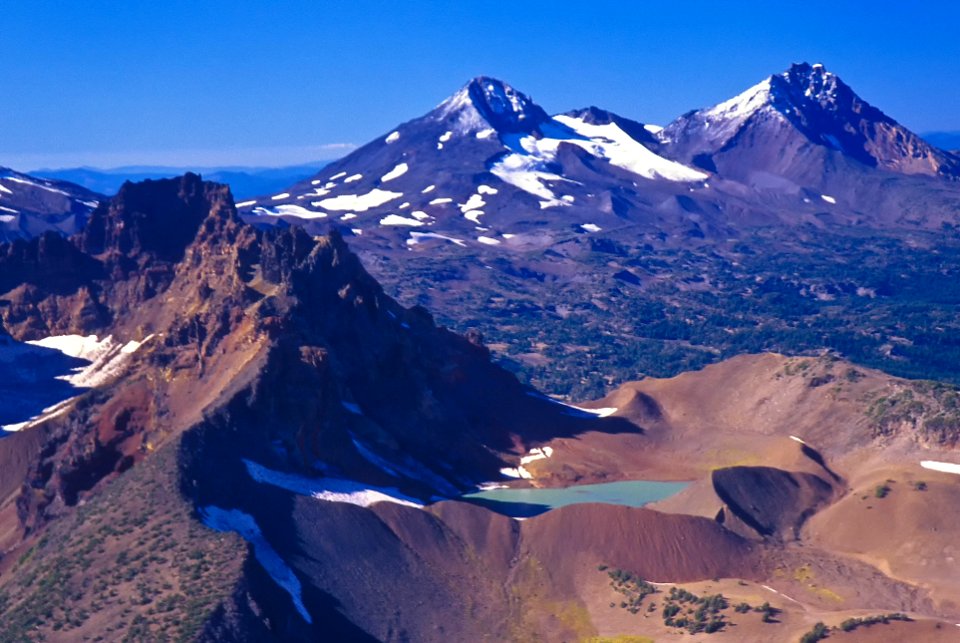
258	351
271	376
340	376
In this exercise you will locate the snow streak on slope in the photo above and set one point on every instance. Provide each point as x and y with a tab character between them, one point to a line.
107	358
527	168
327	488
244	524
101	360
620	149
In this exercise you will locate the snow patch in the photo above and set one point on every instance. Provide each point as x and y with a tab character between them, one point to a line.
576	411
292	210
392	137
620	149
486	189
537	453
591	227
441	201
943	467
527	173
417	237
396	219
34	184
489	241
428	189
828	199
352	178
282	195
359	202
329	489
338	175
226	520
399	170
106	357
244	204
474	202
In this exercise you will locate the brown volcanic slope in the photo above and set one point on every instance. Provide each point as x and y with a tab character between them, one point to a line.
275	355
862	430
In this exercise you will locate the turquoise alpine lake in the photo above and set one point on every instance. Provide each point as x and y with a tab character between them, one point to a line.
523	503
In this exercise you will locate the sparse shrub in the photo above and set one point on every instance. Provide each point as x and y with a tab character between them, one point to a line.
819	632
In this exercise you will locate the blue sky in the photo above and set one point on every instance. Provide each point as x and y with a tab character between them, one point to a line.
201	83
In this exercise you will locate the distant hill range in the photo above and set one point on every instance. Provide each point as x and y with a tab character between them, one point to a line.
944	140
243	181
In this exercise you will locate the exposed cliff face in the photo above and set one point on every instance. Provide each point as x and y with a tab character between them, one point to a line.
125	256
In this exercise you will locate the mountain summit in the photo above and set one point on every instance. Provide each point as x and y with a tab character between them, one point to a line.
773	124
486	102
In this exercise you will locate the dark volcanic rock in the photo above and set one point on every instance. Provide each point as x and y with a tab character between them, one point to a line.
125	256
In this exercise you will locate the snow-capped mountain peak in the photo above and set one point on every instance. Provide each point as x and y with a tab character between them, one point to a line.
488	103
806	103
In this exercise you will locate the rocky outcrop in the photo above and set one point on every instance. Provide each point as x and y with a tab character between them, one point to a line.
124	257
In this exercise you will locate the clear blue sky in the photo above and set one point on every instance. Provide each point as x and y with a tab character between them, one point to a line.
107	83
